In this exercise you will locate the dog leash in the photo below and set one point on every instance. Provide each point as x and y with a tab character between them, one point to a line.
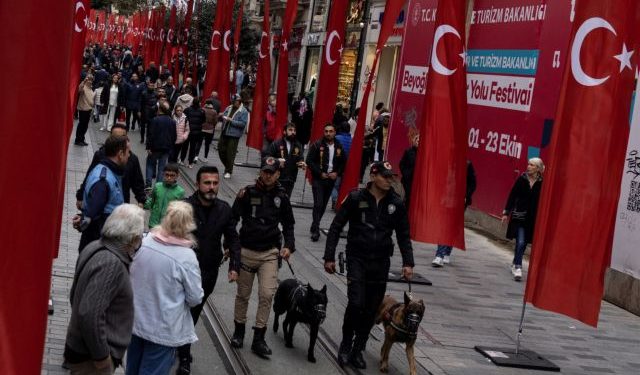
291	269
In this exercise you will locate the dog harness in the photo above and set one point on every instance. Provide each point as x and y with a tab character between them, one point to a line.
404	334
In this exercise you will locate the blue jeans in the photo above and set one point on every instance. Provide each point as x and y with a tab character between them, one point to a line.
147	358
443	250
336	189
155	160
521	246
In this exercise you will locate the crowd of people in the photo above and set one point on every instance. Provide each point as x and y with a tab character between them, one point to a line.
143	292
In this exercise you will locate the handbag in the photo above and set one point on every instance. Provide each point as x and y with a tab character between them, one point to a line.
122	117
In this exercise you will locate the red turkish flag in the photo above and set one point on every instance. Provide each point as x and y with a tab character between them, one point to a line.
263	84
31	28
282	87
351	174
219	53
327	91
170	37
236	37
577	209
439	182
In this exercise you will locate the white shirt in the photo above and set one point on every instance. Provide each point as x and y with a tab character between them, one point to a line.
288	147
332	150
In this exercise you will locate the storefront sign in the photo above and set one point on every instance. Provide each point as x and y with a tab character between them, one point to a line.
625	256
314	39
516	55
408	96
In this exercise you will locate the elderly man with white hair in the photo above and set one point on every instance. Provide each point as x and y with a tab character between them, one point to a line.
101	296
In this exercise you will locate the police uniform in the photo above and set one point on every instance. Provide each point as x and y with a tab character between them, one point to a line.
369	248
261	211
292	156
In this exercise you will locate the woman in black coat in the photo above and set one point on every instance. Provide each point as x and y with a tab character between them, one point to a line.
521	210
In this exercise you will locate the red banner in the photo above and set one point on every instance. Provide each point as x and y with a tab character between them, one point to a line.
567	266
437	207
263	83
219	52
185	39
27	258
329	68
236	38
170	38
411	81
352	172
282	104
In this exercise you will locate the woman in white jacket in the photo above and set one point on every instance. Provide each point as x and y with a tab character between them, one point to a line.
165	278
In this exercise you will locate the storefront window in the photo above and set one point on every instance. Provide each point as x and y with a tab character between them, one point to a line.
346	76
320	11
311	71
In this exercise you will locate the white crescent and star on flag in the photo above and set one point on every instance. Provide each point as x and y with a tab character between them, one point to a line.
584	30
225	40
76	27
327	53
436	65
263	55
213	37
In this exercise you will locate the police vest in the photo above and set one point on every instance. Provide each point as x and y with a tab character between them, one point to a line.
102	172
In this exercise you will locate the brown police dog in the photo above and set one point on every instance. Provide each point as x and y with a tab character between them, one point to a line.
401	321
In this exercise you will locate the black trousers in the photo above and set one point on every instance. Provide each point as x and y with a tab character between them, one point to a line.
367	158
288	186
83	125
91	233
144	124
366	286
321	194
136	119
195	140
208	283
208	138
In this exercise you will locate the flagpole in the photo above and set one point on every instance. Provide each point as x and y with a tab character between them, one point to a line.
519	335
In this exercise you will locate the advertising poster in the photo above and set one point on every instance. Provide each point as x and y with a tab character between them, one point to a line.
515	59
625	256
411	81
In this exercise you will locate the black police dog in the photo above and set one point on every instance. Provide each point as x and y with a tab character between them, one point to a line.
302	304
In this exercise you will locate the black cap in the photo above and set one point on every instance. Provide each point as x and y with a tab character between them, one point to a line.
235	97
269	163
382	167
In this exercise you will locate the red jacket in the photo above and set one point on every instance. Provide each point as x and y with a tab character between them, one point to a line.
272	130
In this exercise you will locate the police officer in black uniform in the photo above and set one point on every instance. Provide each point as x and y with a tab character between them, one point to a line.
290	150
326	160
262	208
373	213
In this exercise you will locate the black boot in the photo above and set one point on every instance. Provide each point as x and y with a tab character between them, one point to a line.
259	346
238	335
344	351
355	358
184	366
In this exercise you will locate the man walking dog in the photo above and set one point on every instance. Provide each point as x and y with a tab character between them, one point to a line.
373	213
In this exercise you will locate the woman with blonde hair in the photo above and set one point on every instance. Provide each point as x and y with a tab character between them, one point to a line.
521	210
165	277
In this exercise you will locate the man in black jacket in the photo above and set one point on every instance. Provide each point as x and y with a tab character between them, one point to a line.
132	179
149	108
160	142
407	165
213	219
326	160
133	102
262	207
288	149
373	213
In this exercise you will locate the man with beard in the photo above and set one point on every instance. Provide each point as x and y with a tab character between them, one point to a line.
262	208
213	219
288	149
326	160
373	213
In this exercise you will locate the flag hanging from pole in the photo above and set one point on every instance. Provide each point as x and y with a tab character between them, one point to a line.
439	182
263	84
329	68
282	88
351	175
216	52
576	214
236	38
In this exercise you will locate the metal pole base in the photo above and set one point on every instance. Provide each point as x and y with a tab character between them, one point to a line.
396	277
525	359
247	165
302	204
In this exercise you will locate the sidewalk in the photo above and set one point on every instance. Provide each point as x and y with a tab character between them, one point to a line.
474	301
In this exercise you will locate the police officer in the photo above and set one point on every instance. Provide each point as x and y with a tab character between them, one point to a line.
102	190
262	207
290	150
326	160
373	213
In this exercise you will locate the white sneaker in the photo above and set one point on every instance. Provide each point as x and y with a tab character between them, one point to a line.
446	259
517	273
180	162
204	160
227	175
195	160
102	129
437	262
